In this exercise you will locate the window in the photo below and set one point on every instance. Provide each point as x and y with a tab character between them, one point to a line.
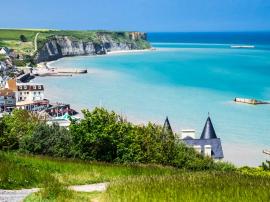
34	87
39	93
20	87
39	87
198	148
34	93
27	93
207	150
25	87
20	92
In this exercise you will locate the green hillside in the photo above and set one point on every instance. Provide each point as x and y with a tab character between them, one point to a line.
11	38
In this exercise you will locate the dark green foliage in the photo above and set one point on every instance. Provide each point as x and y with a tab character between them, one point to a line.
266	165
19	63
15	127
101	136
29	59
105	136
23	38
48	140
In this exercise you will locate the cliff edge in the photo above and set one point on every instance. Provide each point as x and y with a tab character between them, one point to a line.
60	45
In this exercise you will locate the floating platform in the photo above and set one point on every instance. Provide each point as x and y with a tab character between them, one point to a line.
250	101
242	46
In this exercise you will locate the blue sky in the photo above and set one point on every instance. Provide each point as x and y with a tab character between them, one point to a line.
141	15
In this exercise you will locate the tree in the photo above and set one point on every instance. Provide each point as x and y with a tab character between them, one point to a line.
14	127
23	38
48	140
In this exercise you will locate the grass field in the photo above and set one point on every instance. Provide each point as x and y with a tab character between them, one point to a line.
17	171
127	182
191	187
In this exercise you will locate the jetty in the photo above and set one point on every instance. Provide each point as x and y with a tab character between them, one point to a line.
45	71
250	101
71	71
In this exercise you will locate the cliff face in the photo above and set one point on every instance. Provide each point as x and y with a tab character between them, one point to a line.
62	46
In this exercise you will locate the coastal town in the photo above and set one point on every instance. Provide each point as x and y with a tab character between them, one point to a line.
18	92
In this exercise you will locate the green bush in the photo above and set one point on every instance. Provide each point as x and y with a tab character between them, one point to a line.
19	63
15	127
266	165
23	38
258	171
48	140
105	136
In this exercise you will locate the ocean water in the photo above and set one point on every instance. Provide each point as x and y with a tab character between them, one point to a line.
184	79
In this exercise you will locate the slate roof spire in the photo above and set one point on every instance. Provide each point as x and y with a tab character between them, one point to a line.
167	129
208	130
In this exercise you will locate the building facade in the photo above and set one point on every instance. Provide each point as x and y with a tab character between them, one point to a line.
208	144
29	92
7	99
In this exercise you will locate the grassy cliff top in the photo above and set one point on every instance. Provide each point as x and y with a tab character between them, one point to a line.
23	40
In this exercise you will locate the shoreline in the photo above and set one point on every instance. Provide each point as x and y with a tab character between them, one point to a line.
116	52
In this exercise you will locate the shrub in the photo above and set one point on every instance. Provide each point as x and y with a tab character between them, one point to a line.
266	165
19	63
16	126
23	38
48	140
253	171
106	136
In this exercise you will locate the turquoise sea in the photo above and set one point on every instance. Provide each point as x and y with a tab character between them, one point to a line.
183	80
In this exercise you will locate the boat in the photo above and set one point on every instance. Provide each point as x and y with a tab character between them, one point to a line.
242	46
250	101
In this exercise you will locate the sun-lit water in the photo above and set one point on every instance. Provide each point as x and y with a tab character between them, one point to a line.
183	82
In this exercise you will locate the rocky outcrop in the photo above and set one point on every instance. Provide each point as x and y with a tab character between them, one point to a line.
62	46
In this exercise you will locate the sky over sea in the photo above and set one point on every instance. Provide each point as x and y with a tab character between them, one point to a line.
141	15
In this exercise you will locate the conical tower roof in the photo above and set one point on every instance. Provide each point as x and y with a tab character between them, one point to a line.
208	130
167	129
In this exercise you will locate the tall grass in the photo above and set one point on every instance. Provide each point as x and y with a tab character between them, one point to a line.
15	175
17	171
193	186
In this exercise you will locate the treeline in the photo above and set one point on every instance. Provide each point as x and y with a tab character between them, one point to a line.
100	136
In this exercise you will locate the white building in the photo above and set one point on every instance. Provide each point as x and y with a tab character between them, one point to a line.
4	51
29	92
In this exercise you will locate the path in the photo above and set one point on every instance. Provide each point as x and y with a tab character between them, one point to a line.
19	195
35	41
15	195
